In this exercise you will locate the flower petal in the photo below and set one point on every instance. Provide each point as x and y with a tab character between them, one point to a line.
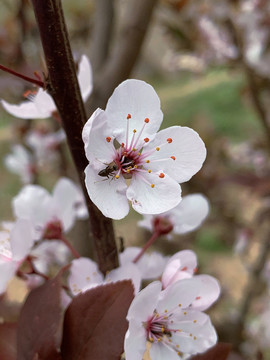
144	303
146	199
25	110
109	195
138	99
95	134
126	272
7	271
187	148
34	203
21	239
85	77
162	352
135	342
83	275
183	293
209	293
44	103
190	213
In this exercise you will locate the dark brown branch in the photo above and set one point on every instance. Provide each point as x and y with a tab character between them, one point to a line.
102	33
63	85
126	51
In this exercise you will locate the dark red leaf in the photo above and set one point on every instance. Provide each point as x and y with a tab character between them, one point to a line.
95	323
8	341
39	323
219	352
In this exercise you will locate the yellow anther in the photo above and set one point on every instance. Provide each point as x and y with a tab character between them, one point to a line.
151	339
147	161
179	305
117	176
165	317
152	185
128	171
190	334
157	315
165	310
177	346
185	313
162	329
195	338
159	340
149	171
178	353
157	148
134	131
194	321
135	166
134	149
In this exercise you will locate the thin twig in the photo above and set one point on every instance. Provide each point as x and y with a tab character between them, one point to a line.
21	76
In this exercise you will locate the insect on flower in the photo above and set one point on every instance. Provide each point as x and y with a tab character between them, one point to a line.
109	170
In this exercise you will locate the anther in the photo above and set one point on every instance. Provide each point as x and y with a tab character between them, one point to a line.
177	346
173	157
152	185
151	339
161	175
184	268
146	120
157	148
108	139
190	335
117	176
194	321
146	140
195	338
185	313
179	305
135	166
169	140
134	149
123	145
134	131
128	171
149	171
159	340
129	116
147	161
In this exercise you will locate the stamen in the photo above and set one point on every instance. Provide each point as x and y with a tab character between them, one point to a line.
157	148
147	161
128	116
149	171
173	157
146	140
146	120
108	138
161	175
169	140
152	185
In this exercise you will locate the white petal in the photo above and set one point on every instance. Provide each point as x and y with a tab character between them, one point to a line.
25	110
21	239
204	332
44	103
139	99
209	293
7	271
190	213
187	148
95	134
162	352
150	265
127	271
83	275
65	195
144	302
146	199
34	203
85	77
182	292
135	342
19	162
108	195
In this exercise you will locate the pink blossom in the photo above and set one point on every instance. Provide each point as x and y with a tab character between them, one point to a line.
167	320
122	143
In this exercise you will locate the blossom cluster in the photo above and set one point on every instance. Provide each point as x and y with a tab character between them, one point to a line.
130	161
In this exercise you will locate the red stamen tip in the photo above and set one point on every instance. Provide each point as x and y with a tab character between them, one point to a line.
184	268
169	140
26	93
198	298
161	175
123	145
146	120
146	140
173	157
108	139
129	116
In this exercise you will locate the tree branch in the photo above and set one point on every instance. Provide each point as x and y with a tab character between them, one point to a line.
63	85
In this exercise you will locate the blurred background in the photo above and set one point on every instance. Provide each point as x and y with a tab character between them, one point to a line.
209	62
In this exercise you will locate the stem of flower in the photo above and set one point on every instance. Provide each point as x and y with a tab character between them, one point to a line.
71	248
21	76
150	242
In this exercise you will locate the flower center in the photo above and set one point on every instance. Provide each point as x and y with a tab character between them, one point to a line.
53	230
